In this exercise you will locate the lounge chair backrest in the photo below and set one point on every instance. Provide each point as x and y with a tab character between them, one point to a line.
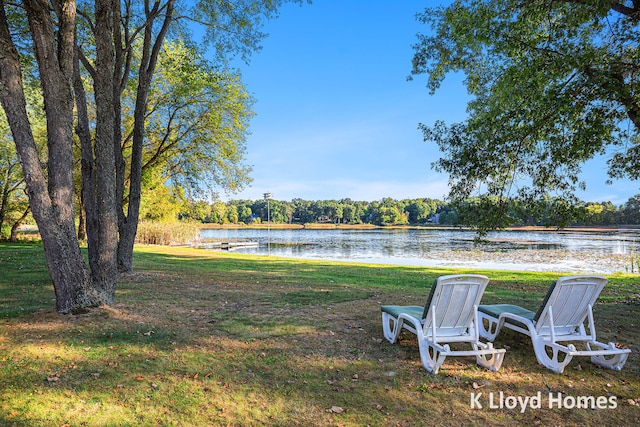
453	298
568	299
427	304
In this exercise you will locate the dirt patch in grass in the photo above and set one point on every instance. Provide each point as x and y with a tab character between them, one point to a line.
229	340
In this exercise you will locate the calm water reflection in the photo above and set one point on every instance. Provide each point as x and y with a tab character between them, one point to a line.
417	247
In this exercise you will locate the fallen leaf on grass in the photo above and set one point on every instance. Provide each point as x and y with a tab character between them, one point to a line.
139	378
336	410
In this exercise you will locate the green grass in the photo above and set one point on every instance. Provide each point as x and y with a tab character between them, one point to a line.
210	338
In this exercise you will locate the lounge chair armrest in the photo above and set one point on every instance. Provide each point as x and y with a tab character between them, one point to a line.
527	322
417	323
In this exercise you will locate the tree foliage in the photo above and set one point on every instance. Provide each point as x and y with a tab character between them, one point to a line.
553	84
544	212
197	121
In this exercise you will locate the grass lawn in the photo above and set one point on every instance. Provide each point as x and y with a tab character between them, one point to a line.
201	338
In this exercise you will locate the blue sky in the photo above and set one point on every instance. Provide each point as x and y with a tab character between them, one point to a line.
336	117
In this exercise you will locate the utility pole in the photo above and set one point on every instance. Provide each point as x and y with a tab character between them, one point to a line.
267	197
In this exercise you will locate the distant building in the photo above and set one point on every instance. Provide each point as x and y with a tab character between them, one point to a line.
434	219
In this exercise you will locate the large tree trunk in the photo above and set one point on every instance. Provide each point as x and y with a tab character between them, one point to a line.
104	268
51	200
99	154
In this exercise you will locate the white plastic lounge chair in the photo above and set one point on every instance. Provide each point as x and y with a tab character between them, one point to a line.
450	315
560	319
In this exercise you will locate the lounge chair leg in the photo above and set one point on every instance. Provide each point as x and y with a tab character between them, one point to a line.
551	361
391	327
614	361
491	361
488	330
432	356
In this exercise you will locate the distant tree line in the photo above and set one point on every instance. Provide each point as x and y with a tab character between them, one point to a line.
420	211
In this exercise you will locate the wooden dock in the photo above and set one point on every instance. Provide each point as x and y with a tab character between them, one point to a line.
229	245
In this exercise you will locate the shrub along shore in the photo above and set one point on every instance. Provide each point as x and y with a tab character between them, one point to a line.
208	338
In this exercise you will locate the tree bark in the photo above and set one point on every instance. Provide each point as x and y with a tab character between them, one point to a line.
104	268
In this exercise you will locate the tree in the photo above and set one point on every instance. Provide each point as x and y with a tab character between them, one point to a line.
232	214
349	213
243	208
110	41
50	192
632	210
244	214
231	28
420	210
593	213
196	211
196	123
303	211
610	214
553	84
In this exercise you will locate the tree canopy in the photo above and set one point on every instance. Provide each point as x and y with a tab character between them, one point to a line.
553	84
196	123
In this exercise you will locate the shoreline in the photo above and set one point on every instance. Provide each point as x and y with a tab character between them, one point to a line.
317	226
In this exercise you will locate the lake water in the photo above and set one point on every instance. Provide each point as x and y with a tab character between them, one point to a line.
603	253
